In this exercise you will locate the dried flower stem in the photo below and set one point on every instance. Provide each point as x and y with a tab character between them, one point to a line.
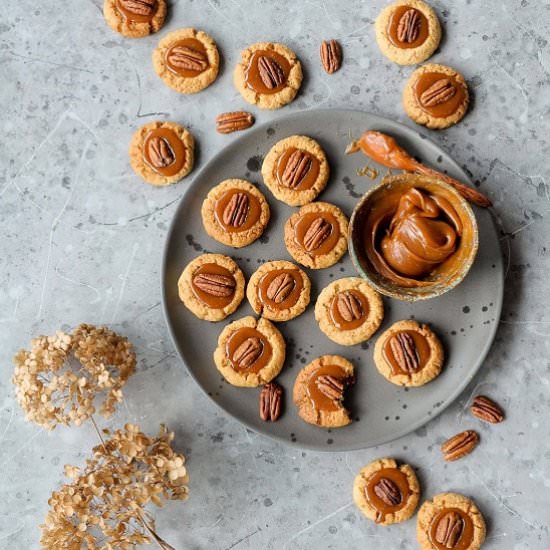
156	537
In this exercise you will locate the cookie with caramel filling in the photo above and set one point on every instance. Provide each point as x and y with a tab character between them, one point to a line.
268	75
408	354
319	391
135	18
450	521
279	291
235	213
436	96
296	170
349	311
250	352
162	153
385	492
211	286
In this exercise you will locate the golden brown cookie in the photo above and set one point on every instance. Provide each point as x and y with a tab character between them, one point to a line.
187	60
408	354
319	391
135	18
296	170
349	311
211	286
162	153
250	352
450	521
279	290
235	213
316	235
436	96
269	75
408	32
385	492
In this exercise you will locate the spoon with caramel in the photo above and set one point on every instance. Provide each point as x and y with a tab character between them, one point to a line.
384	150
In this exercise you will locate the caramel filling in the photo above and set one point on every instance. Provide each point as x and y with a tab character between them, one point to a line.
304	225
174	146
211	299
251	211
383	508
136	17
253	76
304	180
422	28
357	319
237	339
290	294
319	400
442	104
461	536
420	350
187	58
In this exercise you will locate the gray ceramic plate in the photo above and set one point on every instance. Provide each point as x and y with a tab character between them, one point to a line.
465	318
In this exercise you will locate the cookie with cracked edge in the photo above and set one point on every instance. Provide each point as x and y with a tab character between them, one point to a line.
134	24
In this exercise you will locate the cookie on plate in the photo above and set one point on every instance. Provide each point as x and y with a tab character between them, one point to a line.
162	153
135	18
250	352
385	492
296	170
211	286
269	75
235	213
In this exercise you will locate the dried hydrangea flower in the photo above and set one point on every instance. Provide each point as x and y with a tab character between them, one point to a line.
58	380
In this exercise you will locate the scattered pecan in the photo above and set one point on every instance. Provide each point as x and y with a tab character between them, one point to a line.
408	27
296	169
188	59
331	56
248	352
331	387
449	530
226	123
459	445
404	352
486	409
236	211
215	284
439	92
349	306
316	234
388	492
160	153
271	72
270	402
139	7
280	287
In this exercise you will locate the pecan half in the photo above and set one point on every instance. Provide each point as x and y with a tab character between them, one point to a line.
139	7
459	445
248	352
160	153
271	72
280	287
221	286
349	306
270	402
226	123
439	92
404	352
236	211
331	56
388	492
331	387
188	59
316	234
449	530
296	169
486	409
408	27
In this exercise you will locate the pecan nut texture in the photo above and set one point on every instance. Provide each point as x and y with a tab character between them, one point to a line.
388	492
271	73
331	56
139	7
280	288
459	445
449	530
271	402
349	306
248	352
160	153
226	123
296	169
486	409
236	211
188	59
439	92
404	352
331	387
316	234
408	27
221	286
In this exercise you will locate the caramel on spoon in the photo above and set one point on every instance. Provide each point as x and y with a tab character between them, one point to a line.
384	150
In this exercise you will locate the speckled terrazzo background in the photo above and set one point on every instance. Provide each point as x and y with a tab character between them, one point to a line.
82	240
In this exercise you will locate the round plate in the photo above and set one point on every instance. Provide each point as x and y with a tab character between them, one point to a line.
465	318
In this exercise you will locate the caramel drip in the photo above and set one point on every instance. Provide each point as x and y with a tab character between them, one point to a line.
215	302
254	81
336	317
311	176
292	297
422	348
303	224
393	25
252	216
176	145
466	536
445	109
135	17
237	338
193	44
381	507
319	400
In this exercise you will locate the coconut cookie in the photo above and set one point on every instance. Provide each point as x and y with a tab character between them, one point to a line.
279	291
349	311
250	352
408	354
408	32
316	235
211	286
450	521
319	391
296	170
187	60
162	153
269	75
385	492
235	213
135	18
436	96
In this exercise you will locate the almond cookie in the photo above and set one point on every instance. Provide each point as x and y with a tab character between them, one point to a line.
296	170
187	60
349	311
211	286
135	18
450	521
316	235
436	96
319	391
408	32
162	153
250	352
235	213
408	354
269	75
385	492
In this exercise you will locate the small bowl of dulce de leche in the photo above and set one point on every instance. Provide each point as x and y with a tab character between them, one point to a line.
413	237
